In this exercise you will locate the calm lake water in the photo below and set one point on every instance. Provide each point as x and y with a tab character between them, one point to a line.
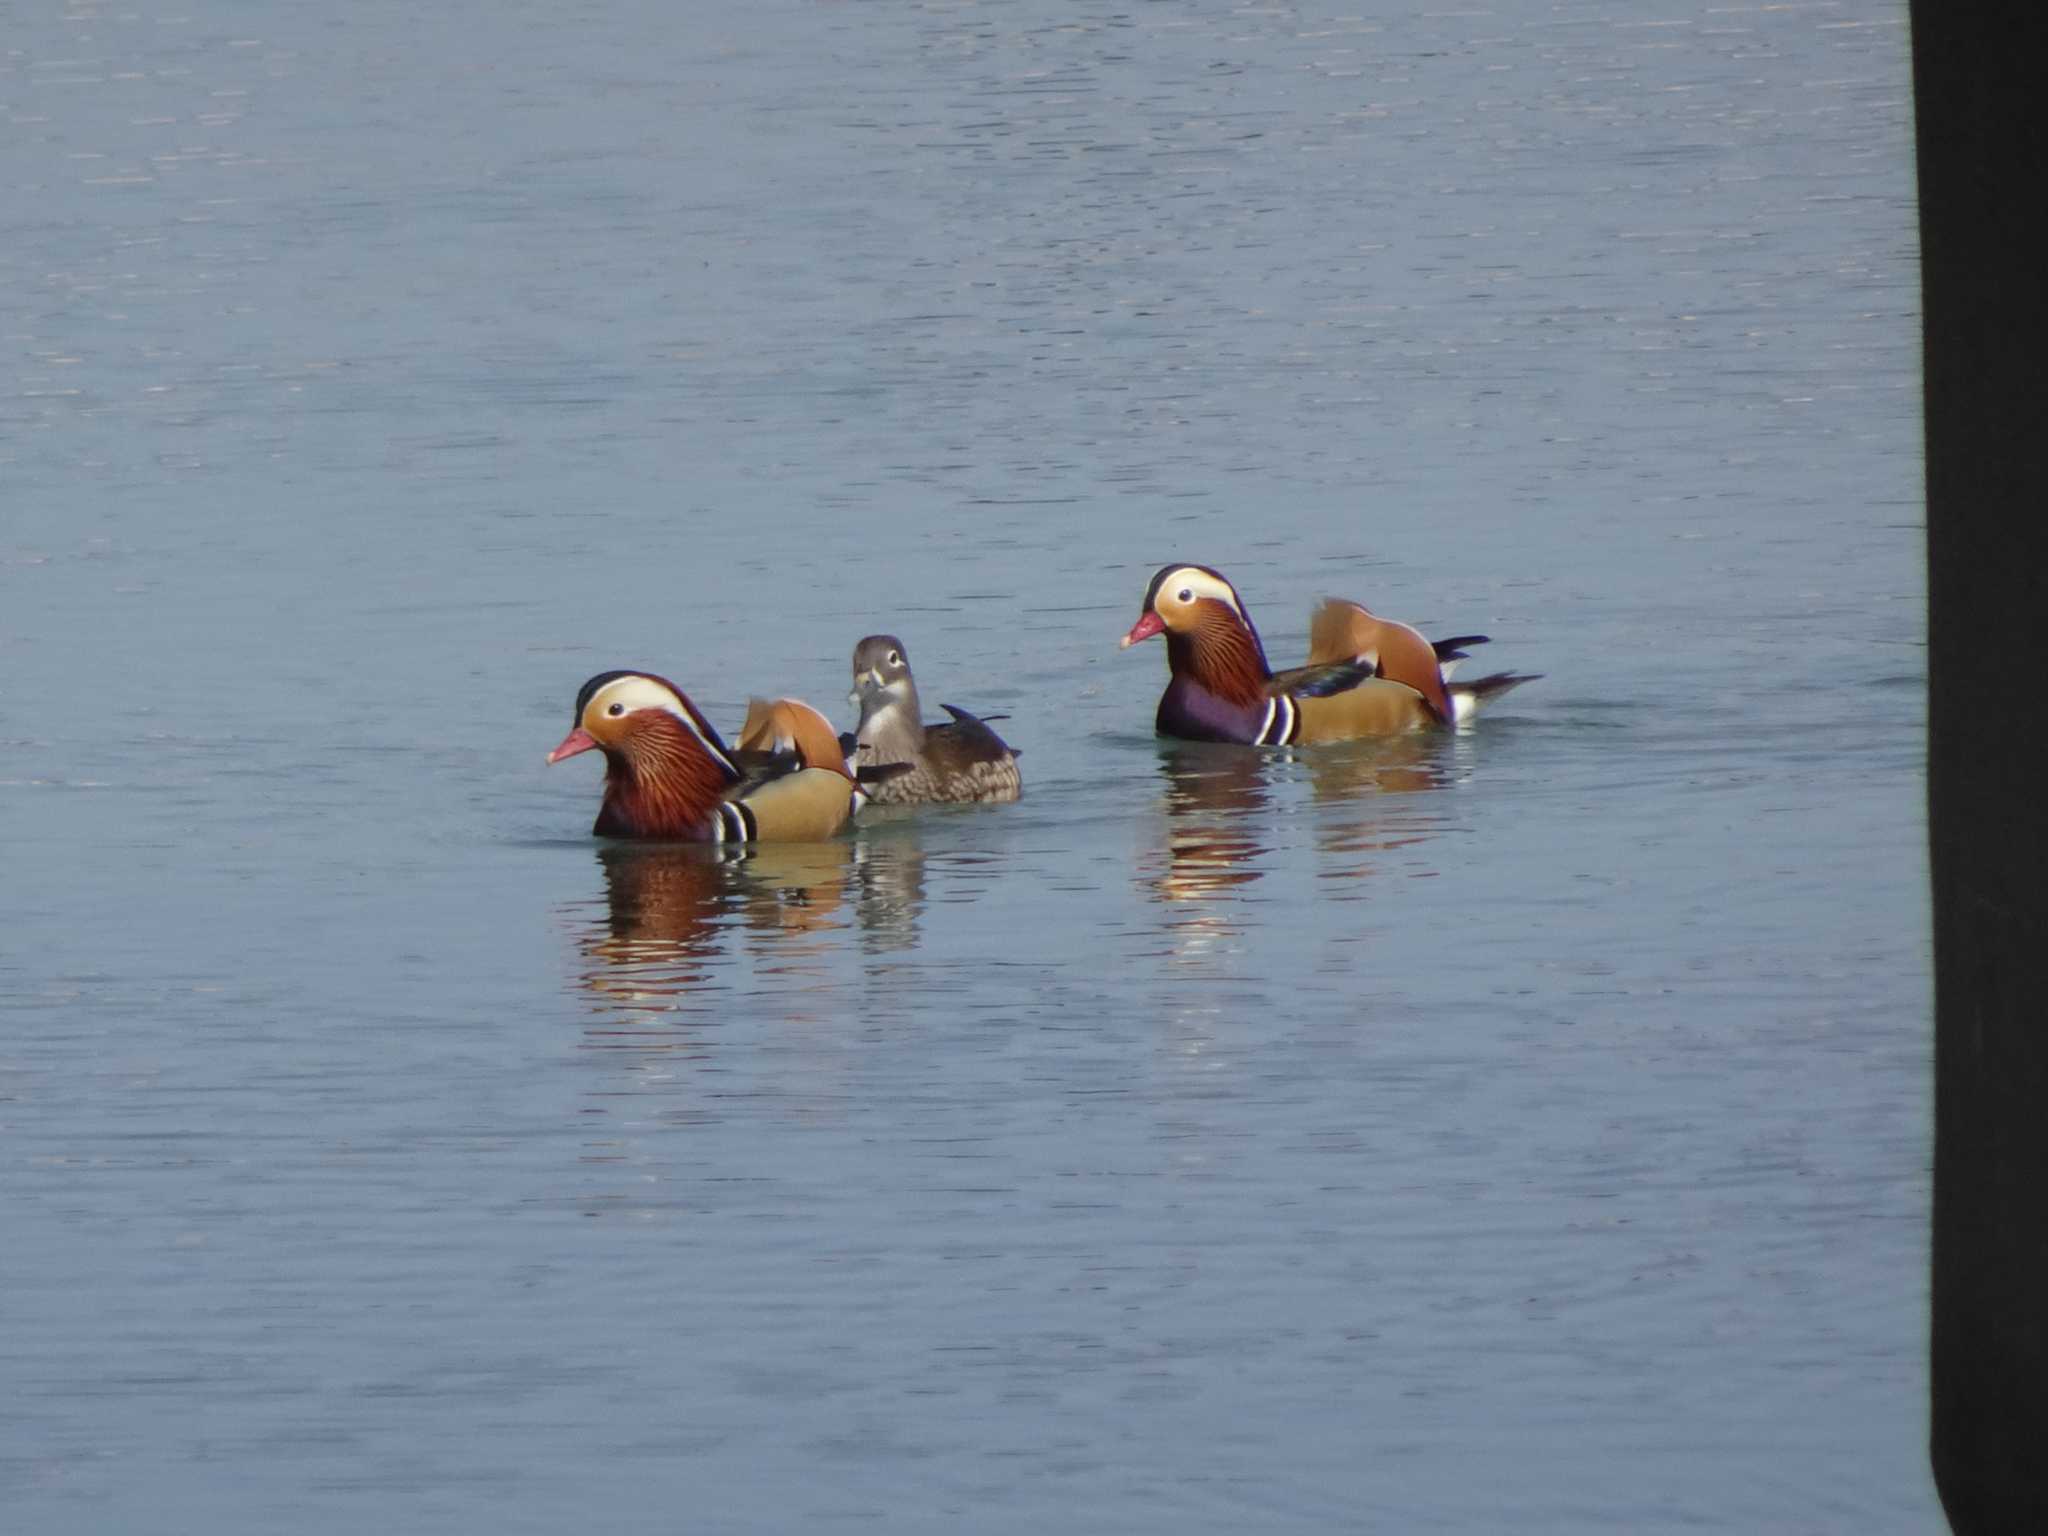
1526	1130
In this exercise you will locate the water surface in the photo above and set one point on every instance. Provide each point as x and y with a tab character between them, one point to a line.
1526	1129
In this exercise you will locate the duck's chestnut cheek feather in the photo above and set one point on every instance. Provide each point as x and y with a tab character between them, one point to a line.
1147	626
578	740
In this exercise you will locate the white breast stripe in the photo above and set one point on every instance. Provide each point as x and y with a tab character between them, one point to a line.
1282	723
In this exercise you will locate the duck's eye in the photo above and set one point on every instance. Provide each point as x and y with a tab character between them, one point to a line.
895	658
616	709
1187	594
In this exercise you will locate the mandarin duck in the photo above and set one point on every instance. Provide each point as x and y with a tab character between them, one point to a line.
1366	676
963	760
669	775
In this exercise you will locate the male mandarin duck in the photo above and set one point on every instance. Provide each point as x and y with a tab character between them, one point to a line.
1365	676
669	775
961	761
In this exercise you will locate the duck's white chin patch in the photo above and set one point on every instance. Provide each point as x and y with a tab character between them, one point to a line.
883	710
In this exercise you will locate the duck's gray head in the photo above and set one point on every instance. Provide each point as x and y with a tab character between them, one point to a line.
881	674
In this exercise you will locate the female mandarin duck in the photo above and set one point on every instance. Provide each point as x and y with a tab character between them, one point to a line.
668	775
1365	676
961	761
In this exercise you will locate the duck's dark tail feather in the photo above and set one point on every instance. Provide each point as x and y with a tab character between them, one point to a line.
1453	649
1466	698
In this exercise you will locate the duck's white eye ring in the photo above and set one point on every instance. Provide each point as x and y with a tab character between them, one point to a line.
1187	594
617	708
895	658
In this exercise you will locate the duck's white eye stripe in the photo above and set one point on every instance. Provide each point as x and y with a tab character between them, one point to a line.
631	693
1189	584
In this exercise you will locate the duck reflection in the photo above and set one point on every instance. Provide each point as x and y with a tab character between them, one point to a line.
689	946
1367	789
888	874
675	915
669	908
1396	765
1220	839
664	910
1212	793
1213	801
790	901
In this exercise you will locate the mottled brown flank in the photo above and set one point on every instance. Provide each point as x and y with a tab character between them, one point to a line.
1220	654
955	766
660	780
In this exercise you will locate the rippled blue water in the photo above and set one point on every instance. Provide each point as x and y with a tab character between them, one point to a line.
1521	1130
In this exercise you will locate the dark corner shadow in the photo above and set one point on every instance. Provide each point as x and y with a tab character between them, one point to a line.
1982	139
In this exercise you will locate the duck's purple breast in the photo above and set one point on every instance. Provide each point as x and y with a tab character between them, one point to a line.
1191	712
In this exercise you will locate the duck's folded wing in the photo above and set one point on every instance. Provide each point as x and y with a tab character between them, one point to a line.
757	766
1320	680
972	733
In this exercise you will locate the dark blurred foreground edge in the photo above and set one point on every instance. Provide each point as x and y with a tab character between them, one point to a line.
1981	89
